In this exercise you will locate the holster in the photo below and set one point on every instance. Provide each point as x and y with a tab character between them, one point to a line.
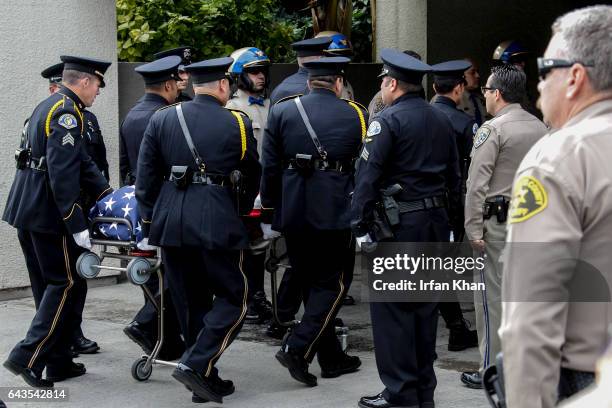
22	158
181	176
304	164
390	206
386	214
498	207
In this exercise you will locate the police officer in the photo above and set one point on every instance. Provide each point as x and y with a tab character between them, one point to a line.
95	148
306	50
160	78
449	85
472	101
562	199
198	169
186	55
340	46
499	146
412	144
52	169
308	154
251	72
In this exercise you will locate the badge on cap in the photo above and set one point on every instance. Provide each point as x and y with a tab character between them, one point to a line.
374	128
530	198
481	136
68	121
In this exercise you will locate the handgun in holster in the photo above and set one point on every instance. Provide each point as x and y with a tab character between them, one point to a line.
498	207
304	164
386	214
181	176
22	157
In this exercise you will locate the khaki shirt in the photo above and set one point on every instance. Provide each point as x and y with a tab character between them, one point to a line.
258	114
562	198
499	146
466	105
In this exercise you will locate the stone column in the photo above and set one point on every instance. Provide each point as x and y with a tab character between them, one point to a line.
401	24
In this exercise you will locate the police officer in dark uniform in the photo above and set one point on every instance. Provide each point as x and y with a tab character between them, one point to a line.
186	55
190	200
449	84
160	78
44	202
412	144
295	84
308	153
94	145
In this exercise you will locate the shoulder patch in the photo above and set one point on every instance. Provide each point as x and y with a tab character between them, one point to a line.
67	120
167	106
286	98
374	128
530	198
481	136
474	128
355	102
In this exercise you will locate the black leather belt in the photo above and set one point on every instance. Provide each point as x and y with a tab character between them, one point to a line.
422	204
317	164
199	178
38	164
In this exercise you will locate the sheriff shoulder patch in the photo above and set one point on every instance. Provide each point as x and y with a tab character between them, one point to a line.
530	198
68	121
374	128
482	135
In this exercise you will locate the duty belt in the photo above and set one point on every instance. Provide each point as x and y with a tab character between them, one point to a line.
38	164
199	178
496	206
318	164
422	204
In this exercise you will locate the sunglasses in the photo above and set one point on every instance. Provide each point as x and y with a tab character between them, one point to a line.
484	89
545	65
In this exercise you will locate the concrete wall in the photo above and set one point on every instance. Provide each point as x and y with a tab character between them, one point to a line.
402	24
34	33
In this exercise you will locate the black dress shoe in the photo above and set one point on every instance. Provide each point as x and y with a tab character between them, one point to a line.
29	376
276	331
83	345
378	401
297	366
472	380
61	374
344	365
223	387
139	336
200	385
461	337
259	310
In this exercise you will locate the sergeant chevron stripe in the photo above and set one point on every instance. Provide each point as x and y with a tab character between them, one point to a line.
68	139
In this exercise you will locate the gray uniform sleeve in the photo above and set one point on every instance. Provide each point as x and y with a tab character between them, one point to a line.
484	155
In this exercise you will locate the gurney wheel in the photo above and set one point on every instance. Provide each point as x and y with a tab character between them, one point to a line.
134	271
85	265
138	370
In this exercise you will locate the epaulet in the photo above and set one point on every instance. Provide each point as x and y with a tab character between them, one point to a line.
286	98
239	111
356	103
167	106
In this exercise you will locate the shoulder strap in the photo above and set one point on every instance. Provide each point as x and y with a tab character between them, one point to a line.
185	129
311	131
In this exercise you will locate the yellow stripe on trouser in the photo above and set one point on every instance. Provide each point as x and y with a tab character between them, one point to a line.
361	119
240	318
243	141
59	308
329	315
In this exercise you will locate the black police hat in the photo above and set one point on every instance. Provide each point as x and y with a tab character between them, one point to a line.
53	73
454	69
186	54
327	66
89	65
160	70
209	70
311	47
403	67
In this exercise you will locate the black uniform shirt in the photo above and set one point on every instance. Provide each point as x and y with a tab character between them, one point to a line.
94	143
295	84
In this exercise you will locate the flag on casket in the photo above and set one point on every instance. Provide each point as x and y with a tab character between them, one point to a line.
120	204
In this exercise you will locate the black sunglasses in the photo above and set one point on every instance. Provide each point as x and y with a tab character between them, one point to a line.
545	65
484	89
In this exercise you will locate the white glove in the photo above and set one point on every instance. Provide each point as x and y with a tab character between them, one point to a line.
257	203
363	239
82	239
268	232
144	245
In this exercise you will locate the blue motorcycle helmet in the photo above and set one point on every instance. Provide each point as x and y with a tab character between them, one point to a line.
249	59
340	45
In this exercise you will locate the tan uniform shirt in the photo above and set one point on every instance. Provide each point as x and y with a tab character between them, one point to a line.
257	113
562	198
466	105
499	146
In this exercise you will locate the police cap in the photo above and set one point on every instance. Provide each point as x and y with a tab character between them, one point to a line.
401	66
454	69
311	47
327	66
89	65
53	73
185	53
160	70
209	70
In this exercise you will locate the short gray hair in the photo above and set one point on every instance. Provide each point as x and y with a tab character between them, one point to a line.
588	36
71	77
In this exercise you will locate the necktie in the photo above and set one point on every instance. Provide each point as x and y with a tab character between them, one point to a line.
477	115
256	101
